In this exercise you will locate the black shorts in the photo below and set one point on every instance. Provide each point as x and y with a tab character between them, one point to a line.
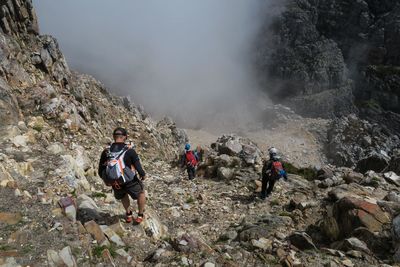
133	188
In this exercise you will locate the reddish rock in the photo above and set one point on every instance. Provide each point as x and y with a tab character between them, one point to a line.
108	257
9	253
10	218
352	213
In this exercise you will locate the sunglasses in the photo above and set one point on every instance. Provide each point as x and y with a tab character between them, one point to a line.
119	134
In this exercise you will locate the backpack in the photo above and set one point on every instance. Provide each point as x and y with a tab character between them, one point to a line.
190	159
277	170
116	173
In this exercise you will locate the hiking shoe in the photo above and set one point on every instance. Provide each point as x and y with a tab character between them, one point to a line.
139	219
129	217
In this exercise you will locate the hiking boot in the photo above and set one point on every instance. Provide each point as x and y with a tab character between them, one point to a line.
129	217
139	219
263	196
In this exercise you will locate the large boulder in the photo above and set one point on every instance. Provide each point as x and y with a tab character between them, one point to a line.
374	161
225	173
250	154
353	177
229	145
379	243
238	147
302	241
351	213
330	228
354	243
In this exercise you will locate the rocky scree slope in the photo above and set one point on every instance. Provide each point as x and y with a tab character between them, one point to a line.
334	216
54	124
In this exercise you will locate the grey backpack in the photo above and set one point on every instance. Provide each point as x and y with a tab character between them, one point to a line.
116	171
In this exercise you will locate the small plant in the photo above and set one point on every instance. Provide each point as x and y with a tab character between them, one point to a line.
127	248
28	249
371	104
222	238
5	247
307	173
38	127
73	193
190	200
274	202
383	71
286	214
375	182
76	251
99	195
98	251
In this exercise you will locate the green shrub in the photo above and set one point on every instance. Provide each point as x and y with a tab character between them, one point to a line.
98	251
307	173
99	195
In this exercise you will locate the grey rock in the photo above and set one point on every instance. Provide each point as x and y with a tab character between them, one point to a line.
392	178
53	259
353	177
393	196
46	59
67	257
325	173
396	227
229	235
355	244
301	240
229	145
225	173
330	228
395	162
267	226
250	154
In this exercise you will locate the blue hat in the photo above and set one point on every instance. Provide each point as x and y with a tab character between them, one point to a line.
187	147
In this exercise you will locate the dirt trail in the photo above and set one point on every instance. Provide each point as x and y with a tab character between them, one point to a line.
300	141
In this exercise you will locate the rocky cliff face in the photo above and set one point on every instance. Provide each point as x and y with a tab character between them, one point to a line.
325	57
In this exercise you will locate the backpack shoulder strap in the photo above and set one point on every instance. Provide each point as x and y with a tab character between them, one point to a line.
122	152
107	148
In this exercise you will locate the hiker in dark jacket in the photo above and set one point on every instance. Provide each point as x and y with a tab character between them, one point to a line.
126	185
189	160
272	170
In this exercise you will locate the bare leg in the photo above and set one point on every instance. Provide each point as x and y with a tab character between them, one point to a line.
126	202
141	202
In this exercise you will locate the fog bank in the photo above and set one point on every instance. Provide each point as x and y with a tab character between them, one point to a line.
187	59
